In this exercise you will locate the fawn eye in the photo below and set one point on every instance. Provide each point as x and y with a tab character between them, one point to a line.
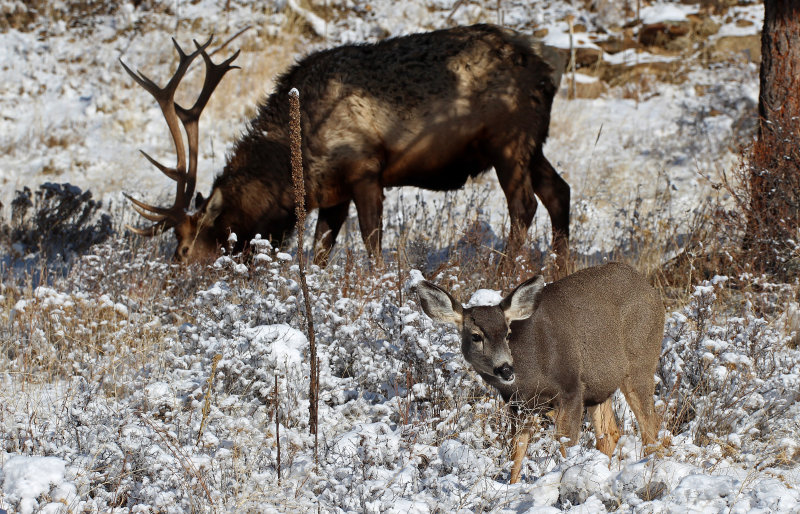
476	338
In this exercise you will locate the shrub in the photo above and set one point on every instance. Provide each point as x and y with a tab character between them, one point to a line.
57	221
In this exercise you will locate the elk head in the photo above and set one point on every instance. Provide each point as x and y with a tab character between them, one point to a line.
197	239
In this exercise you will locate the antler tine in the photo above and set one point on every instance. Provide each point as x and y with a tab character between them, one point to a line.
141	79
146	215
164	211
191	117
214	74
164	220
184	62
184	175
150	231
170	172
200	47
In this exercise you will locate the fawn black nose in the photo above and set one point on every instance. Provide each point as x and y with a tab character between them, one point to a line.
505	372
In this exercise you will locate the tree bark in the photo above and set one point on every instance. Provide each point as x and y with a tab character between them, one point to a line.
774	217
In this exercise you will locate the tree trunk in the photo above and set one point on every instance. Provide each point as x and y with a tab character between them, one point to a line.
774	217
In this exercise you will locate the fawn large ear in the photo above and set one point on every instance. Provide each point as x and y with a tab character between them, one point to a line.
438	304
521	303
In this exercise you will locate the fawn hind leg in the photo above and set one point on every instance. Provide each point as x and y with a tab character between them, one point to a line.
605	426
639	395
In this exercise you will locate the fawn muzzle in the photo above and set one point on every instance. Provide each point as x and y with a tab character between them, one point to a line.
504	372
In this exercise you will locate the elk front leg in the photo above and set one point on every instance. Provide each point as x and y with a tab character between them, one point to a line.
368	197
329	223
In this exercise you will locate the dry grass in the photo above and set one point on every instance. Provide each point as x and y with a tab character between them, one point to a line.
262	60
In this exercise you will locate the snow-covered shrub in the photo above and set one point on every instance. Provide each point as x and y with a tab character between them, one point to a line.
723	376
64	221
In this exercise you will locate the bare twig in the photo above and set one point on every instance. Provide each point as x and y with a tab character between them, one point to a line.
277	429
453	10
571	66
207	402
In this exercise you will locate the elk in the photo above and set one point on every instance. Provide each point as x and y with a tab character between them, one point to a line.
428	110
563	347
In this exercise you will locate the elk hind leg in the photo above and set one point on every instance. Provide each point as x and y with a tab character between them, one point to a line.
368	197
329	223
554	193
605	426
522	204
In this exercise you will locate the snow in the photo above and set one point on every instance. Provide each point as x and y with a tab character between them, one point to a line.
751	15
561	39
484	297
661	13
26	478
581	78
631	55
454	454
591	477
284	343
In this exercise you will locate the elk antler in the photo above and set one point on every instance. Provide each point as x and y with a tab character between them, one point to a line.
185	176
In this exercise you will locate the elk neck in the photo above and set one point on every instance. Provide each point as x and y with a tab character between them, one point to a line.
257	186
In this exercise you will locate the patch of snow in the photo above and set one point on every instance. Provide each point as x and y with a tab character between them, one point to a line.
661	13
581	78
284	343
26	479
561	39
485	297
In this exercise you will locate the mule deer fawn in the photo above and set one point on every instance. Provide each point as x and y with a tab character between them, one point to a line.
565	346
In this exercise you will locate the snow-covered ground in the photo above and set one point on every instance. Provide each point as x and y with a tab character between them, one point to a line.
131	385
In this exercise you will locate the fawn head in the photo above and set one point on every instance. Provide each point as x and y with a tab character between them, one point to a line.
485	330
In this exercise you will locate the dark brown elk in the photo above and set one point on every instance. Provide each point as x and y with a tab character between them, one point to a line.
566	346
428	110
